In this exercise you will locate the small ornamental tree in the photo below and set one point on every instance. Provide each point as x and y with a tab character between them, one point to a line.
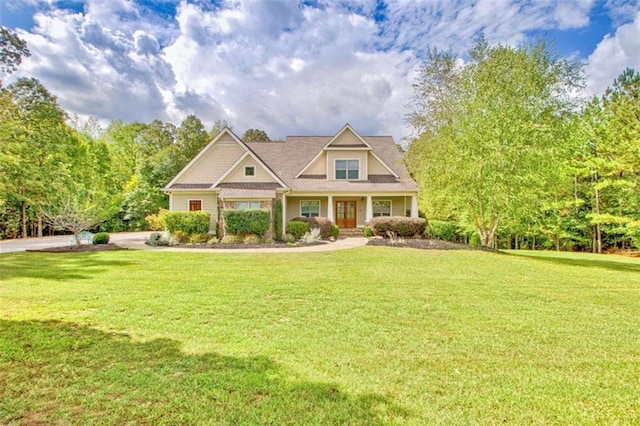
73	217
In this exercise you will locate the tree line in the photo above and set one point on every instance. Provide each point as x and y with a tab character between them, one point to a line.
506	151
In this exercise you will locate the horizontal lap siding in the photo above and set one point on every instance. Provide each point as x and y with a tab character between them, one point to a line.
237	175
213	164
180	202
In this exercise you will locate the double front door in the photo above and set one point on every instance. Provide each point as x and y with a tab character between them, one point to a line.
346	214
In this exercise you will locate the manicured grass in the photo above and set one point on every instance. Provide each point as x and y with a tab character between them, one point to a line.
367	336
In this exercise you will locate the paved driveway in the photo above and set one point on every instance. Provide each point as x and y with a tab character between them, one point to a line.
135	240
123	239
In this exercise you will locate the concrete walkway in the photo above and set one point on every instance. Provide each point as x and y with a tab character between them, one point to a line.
135	240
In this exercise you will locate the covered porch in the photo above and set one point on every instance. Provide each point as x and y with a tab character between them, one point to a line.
349	210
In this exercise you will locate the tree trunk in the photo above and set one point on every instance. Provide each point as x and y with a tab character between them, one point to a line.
598	232
39	223
533	243
23	218
77	238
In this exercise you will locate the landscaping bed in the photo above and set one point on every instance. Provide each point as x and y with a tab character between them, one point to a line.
82	248
424	244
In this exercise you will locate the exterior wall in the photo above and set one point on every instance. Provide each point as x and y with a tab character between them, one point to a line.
347	155
318	167
293	205
237	175
214	163
376	168
180	202
347	138
268	205
361	207
397	204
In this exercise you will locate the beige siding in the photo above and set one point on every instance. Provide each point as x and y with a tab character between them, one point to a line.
318	167
347	138
397	204
293	205
180	202
237	175
214	163
375	167
347	155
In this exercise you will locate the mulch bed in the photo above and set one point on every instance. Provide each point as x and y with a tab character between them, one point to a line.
82	248
425	244
239	246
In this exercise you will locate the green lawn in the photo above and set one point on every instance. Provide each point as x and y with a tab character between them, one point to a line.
366	336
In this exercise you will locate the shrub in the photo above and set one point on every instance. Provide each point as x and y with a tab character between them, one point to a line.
290	238
252	239
245	222
199	238
297	228
180	237
322	223
368	232
277	220
229	239
189	223
399	225
335	231
100	238
213	241
441	230
156	221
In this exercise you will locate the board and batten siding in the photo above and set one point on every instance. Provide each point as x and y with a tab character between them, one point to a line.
180	202
318	167
332	156
376	168
214	163
237	175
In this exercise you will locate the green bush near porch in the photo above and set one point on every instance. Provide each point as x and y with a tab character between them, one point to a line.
323	223
399	225
297	228
246	222
189	223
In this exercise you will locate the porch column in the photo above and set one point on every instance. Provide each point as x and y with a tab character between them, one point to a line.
369	212
414	206
330	208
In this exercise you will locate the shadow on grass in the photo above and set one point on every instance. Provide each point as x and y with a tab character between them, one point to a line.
55	266
618	266
54	372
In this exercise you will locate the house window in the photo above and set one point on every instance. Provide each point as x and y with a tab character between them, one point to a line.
248	205
309	208
249	171
348	169
382	208
195	205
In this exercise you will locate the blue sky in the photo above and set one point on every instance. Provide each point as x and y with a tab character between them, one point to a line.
290	67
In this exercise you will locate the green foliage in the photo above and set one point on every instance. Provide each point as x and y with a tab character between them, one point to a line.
252	239
255	135
335	231
323	223
231	239
189	223
245	222
297	229
155	222
441	230
368	232
12	50
277	220
100	238
199	238
213	241
399	225
180	236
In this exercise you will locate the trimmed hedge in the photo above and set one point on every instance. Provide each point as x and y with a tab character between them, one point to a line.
188	223
297	228
100	238
245	222
442	230
400	225
323	223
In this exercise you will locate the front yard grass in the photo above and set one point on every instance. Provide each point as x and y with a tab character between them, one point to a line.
372	335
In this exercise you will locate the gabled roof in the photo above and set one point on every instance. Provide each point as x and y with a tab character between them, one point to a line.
219	136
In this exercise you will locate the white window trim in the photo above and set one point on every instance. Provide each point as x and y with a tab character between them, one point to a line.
314	201
248	201
377	201
335	168
195	199
254	171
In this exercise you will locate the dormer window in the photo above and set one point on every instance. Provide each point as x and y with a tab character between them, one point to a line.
249	171
348	169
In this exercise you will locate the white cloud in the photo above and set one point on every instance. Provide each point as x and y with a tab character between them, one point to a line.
276	65
612	55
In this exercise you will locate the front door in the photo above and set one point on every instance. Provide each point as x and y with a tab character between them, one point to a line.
346	214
